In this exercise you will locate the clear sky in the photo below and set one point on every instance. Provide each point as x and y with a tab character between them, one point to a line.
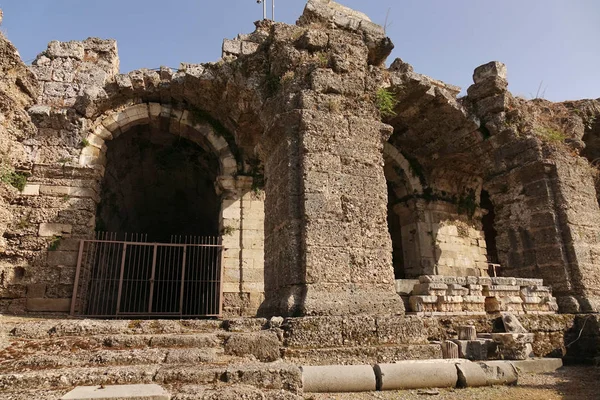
555	43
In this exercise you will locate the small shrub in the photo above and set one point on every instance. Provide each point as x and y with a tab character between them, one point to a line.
13	178
551	135
84	143
54	243
322	59
386	102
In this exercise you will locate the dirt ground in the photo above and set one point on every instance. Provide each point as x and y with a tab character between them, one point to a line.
568	383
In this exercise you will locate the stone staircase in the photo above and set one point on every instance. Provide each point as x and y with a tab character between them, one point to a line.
191	359
249	358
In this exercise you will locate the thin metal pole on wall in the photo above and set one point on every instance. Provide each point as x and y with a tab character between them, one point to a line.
264	3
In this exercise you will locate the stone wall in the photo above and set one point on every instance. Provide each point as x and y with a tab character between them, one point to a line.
542	190
18	91
311	112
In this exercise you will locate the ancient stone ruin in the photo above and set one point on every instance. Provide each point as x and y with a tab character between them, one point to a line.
298	177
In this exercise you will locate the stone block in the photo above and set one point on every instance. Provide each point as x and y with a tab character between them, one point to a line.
493	105
449	349
338	378
477	349
501	290
67	258
423	303
430	289
36	290
65	50
249	47
61	230
488	87
528	282
118	392
264	346
31	190
48	305
497	280
490	70
467	332
497	304
232	47
457	290
313	40
406	286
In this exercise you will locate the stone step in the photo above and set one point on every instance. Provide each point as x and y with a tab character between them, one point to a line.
225	391
220	390
118	392
276	375
22	348
357	355
85	327
87	358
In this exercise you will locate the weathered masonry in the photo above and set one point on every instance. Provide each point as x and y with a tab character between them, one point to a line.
334	182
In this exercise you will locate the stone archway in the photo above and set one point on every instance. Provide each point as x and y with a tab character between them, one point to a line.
402	184
237	211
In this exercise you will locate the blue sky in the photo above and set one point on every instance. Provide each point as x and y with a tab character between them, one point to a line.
553	42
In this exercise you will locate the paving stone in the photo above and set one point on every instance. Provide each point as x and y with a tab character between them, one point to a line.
118	392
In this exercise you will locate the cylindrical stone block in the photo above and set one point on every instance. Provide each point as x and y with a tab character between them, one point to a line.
467	332
499	372
470	374
416	374
449	349
339	378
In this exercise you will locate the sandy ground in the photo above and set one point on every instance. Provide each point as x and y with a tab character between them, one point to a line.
568	383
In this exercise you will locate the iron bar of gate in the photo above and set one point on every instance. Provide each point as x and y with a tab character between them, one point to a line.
152	275
121	278
176	279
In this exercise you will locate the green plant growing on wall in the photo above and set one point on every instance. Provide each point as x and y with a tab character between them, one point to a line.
551	135
386	102
227	230
272	84
322	59
84	143
11	177
467	204
54	243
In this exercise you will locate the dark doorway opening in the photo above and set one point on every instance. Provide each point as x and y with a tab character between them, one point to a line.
162	257
395	230
489	229
158	184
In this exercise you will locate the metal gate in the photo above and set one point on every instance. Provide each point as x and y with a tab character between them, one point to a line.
132	278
